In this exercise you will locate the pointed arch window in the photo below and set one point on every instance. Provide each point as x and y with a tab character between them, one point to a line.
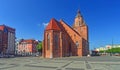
48	41
56	41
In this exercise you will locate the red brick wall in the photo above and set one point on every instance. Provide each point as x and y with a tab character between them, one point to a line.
48	51
72	41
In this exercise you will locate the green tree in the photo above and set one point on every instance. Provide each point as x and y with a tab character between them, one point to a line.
39	47
113	50
101	51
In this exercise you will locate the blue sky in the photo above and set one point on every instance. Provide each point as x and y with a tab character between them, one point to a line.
29	17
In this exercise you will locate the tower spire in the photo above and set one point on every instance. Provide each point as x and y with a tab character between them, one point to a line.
78	13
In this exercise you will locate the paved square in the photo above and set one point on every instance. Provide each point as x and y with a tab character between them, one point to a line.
67	63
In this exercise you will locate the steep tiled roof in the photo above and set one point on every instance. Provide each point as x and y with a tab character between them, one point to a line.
65	25
29	41
53	25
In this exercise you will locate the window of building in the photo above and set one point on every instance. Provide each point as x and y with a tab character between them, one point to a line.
77	44
56	41
79	23
5	30
86	45
0	36
0	39
48	41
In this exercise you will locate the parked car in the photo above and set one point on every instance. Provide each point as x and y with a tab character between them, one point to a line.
117	54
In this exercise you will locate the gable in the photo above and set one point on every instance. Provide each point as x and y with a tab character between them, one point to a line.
53	25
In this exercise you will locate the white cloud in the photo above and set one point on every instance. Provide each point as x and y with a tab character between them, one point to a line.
42	25
45	24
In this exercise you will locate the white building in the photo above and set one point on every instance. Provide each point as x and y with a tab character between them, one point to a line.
107	47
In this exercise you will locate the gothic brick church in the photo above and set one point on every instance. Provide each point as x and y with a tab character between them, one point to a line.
62	40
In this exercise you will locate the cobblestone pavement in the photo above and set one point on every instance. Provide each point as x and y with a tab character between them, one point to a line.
67	63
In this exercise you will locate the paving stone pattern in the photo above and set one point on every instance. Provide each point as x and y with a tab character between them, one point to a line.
67	63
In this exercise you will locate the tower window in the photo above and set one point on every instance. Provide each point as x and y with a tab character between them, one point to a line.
79	23
74	36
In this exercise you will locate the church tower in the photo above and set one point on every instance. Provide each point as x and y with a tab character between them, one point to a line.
61	40
80	26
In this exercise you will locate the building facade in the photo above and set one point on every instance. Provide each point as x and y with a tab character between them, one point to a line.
7	40
106	47
61	40
26	47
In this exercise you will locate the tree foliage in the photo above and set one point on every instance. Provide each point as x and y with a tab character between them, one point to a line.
112	50
101	51
39	47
